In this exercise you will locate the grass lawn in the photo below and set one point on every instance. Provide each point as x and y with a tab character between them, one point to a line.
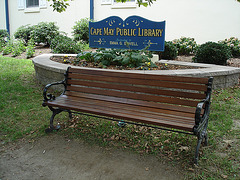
21	113
22	116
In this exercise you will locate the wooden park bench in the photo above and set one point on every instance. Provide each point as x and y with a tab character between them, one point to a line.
173	103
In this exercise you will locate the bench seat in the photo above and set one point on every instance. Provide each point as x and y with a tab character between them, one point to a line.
138	111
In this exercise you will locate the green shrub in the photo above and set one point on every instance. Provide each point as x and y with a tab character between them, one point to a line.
212	53
64	44
44	32
121	58
185	45
30	48
105	57
234	44
137	59
3	38
88	56
3	34
24	33
81	30
8	48
170	51
18	48
2	44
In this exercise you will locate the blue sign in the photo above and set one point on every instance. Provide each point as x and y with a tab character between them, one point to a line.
134	33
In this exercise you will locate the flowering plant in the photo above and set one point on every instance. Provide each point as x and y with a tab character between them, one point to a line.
234	44
185	45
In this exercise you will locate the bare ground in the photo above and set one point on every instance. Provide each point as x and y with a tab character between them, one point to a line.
54	157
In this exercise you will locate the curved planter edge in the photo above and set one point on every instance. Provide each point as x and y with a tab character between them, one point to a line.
48	71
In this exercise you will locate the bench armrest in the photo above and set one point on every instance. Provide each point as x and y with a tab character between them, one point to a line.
201	119
48	96
204	103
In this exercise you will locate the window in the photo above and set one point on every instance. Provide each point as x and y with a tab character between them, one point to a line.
32	3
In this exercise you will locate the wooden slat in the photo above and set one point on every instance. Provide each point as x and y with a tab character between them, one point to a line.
139	75
142	119
120	110
138	89
171	113
129	95
133	102
157	83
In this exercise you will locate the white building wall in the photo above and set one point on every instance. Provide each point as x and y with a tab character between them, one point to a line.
66	20
204	20
2	15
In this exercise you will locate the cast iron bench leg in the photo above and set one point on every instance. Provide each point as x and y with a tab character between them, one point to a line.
206	139
202	137
70	114
54	113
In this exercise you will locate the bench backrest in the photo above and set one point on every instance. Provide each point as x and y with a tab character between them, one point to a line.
185	91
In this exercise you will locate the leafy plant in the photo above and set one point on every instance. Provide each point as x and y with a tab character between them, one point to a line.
59	5
185	45
3	34
213	53
24	33
3	37
30	48
138	59
120	58
8	48
64	44
2	44
105	57
81	30
88	56
234	44
18	48
44	32
170	51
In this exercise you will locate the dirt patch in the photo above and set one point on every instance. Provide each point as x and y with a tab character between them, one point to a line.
83	63
55	157
234	62
38	51
184	58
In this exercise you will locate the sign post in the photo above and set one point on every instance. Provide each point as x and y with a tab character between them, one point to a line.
134	33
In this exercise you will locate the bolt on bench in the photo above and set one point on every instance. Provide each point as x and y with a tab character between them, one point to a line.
173	103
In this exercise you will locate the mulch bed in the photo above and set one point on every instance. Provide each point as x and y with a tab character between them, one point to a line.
83	63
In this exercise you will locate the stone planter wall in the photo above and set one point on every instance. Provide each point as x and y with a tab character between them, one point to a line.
48	71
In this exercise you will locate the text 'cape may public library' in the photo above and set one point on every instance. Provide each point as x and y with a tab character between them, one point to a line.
134	33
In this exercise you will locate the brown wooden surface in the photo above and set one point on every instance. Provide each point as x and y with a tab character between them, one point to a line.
140	76
138	81
132	114
141	89
167	101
